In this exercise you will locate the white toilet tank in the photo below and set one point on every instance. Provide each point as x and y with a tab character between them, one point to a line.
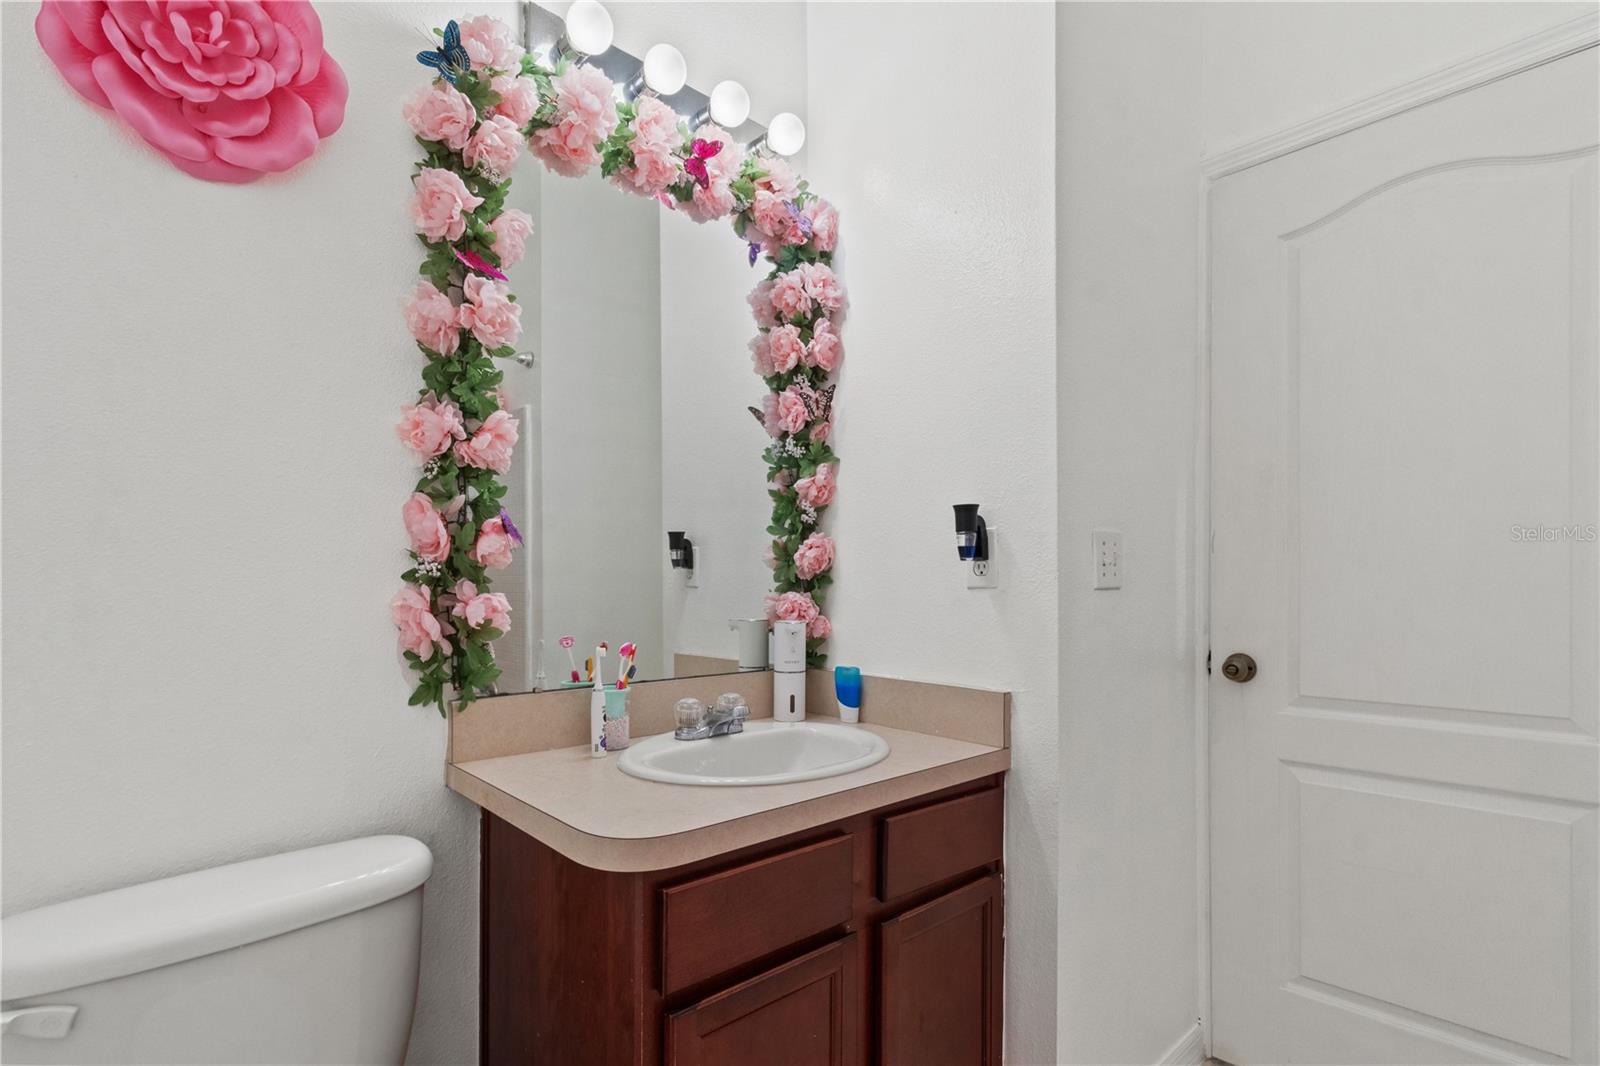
306	957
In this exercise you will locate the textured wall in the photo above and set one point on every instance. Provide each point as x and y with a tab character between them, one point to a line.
945	188
1127	147
202	505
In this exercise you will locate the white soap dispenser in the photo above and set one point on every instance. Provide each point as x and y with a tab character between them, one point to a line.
789	671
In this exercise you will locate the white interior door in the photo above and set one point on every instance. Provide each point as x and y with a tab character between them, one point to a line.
1404	455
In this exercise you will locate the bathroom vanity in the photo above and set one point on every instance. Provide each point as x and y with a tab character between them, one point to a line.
847	920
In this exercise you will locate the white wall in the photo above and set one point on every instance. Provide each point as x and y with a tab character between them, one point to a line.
1127	219
202	505
1271	65
947	392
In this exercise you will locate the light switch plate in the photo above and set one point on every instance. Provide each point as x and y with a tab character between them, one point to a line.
691	578
1107	559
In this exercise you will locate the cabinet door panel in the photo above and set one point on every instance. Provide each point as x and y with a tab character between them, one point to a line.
803	1013
940	1001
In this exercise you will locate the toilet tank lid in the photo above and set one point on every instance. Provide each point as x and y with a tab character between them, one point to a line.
131	930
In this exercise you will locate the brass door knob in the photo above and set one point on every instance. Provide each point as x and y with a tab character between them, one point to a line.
1239	667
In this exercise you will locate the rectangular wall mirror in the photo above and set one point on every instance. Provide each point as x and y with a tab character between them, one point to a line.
635	423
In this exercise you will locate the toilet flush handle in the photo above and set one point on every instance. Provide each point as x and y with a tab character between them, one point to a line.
41	1023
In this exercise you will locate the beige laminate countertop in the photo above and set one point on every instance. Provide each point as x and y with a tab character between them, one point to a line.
596	815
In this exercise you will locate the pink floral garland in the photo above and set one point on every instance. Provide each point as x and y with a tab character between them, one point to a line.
471	123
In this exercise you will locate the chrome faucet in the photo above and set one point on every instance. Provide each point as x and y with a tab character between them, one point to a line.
695	721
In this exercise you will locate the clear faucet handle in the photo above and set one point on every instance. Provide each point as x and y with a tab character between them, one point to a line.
689	713
732	705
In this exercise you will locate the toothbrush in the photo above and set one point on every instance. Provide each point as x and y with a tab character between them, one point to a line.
625	656
567	643
597	706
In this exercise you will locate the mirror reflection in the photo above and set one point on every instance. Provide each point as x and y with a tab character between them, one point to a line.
635	426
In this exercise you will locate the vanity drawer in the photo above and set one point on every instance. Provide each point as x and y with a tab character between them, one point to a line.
930	844
714	923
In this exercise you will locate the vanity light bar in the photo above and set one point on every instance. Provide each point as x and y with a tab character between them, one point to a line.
544	33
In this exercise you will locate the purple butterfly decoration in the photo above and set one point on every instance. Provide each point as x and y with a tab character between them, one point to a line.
755	252
510	527
798	218
474	261
699	152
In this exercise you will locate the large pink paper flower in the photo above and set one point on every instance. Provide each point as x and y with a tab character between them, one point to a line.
490	447
585	115
489	312
441	203
433	319
437	112
420	631
228	90
425	526
511	232
429	428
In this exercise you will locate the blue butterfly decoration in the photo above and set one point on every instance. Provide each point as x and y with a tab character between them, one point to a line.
449	59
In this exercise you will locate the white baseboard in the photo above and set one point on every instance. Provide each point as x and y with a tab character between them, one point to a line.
1189	1050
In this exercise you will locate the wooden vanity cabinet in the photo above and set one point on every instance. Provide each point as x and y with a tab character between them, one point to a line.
875	939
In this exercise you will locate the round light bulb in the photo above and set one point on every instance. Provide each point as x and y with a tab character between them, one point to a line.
786	134
730	104
664	69
588	27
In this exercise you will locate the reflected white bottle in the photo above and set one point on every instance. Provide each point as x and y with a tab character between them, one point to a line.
789	671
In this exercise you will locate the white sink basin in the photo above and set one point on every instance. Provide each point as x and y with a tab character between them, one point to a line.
766	753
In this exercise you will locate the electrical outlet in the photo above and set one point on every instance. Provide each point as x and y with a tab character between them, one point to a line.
1107	559
981	572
